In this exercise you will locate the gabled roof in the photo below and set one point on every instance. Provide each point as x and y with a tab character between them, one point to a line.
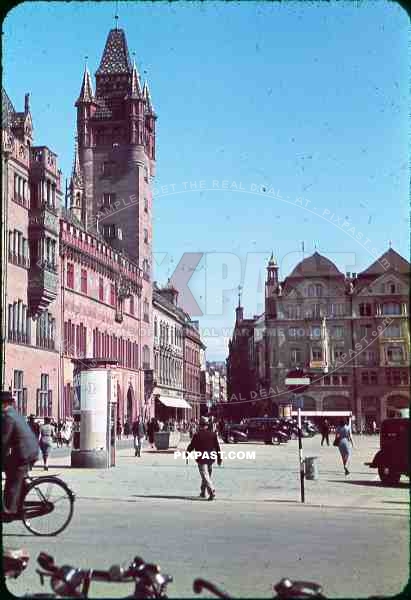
115	59
315	266
389	261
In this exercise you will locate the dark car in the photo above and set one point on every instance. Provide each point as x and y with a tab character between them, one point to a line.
234	433
259	429
392	459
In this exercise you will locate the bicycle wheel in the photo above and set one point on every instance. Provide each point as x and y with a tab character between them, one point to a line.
47	506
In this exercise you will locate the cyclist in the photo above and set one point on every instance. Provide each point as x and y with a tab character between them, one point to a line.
19	448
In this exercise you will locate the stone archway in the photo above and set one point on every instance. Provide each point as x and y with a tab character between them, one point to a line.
130	404
120	404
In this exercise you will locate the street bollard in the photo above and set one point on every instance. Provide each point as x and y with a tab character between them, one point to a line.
311	467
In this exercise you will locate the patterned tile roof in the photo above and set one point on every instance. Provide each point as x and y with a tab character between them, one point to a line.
8	112
116	58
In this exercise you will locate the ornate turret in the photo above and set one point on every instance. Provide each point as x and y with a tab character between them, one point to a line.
150	120
271	288
86	92
86	107
76	188
136	92
147	98
239	311
135	101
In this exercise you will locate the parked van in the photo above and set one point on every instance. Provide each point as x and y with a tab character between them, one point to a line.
392	460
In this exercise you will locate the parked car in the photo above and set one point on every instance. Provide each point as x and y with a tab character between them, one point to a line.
234	433
260	429
392	459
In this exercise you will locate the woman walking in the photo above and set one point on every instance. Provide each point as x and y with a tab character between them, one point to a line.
46	437
342	440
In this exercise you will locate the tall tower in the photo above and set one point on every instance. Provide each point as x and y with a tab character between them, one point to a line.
116	142
271	288
76	189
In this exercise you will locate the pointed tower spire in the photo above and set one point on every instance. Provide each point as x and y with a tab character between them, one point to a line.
76	187
86	92
115	59
273	261
239	311
271	288
136	91
147	97
76	172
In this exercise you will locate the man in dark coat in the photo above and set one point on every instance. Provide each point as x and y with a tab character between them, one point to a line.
206	442
34	426
325	432
152	428
19	448
138	431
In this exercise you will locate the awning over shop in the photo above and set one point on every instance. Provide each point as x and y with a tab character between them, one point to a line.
175	402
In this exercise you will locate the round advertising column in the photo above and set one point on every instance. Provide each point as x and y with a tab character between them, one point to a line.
90	408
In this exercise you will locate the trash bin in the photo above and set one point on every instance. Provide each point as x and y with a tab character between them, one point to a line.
311	467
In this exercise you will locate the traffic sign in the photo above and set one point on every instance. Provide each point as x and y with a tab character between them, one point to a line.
298	402
297	381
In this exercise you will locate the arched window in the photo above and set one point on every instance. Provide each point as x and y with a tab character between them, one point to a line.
311	291
318	290
155	328
146	357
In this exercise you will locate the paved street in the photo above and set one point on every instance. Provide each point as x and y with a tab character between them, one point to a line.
352	535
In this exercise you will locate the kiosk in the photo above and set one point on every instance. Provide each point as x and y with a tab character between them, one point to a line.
94	413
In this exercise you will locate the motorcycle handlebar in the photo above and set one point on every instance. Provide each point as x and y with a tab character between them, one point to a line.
138	569
202	584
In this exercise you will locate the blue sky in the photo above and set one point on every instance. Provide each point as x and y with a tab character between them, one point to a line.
303	105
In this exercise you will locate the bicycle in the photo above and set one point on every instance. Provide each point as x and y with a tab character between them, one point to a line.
46	505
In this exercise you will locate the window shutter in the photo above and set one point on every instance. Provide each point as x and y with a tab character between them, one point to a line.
38	413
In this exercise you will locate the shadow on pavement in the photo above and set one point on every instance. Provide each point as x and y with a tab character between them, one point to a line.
287	501
169	451
401	485
167	497
4	534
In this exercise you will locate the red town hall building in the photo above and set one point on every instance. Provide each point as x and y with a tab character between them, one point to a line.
77	281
